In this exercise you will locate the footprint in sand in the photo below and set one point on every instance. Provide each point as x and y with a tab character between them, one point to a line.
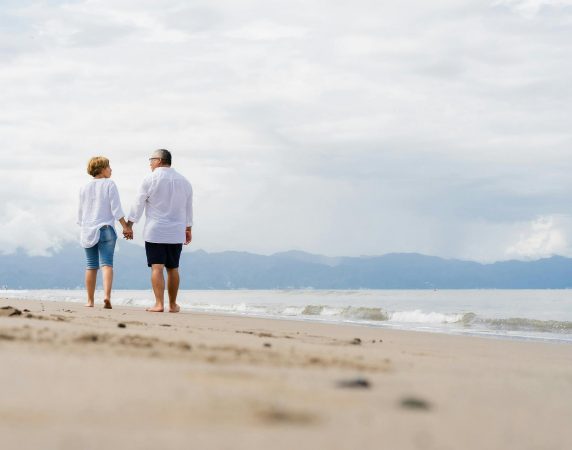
9	311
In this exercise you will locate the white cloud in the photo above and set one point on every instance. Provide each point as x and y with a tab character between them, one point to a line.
530	8
544	237
266	30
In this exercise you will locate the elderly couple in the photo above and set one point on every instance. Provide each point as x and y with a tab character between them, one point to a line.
167	199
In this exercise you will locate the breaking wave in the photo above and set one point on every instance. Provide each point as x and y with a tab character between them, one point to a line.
522	324
369	315
349	312
466	320
380	315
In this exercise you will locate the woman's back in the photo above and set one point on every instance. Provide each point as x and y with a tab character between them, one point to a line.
99	205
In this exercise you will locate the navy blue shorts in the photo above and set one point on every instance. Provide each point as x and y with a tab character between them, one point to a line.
166	254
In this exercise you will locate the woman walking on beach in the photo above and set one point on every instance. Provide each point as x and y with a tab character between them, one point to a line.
99	208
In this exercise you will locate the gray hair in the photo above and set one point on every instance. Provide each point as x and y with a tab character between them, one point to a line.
165	156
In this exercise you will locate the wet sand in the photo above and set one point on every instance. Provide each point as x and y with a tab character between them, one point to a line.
88	378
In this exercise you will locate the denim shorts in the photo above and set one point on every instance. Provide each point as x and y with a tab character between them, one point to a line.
104	249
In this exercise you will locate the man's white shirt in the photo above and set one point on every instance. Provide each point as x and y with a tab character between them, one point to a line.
167	198
99	205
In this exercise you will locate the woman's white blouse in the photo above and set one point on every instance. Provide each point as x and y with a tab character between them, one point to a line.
99	205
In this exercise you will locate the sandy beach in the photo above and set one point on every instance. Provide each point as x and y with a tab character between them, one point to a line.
81	378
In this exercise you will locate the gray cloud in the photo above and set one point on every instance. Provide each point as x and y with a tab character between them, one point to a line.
341	128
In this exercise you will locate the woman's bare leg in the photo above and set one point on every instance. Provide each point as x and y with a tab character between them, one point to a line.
90	279
107	284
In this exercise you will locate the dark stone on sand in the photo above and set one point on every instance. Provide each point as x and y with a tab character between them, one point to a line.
267	344
88	338
415	403
355	383
121	325
279	415
356	341
165	325
9	311
26	310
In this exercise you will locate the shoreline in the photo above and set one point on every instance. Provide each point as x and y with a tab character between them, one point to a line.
526	335
77	377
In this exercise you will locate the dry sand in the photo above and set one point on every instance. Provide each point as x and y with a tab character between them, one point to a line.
79	378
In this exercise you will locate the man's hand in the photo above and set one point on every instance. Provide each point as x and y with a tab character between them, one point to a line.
188	235
128	231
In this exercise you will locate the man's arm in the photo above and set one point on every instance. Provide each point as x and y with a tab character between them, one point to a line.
189	228
138	207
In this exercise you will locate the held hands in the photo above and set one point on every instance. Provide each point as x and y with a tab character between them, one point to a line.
188	235
128	231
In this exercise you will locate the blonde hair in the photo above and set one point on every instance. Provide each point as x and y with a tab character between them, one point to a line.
96	165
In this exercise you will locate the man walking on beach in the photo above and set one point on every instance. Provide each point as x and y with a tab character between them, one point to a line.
167	198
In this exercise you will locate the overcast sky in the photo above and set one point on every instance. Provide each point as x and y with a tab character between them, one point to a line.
352	128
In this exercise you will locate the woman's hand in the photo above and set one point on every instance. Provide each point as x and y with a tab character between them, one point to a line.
128	233
127	228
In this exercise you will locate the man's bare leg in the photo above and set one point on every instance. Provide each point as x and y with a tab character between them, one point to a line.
158	283
107	272
173	289
90	279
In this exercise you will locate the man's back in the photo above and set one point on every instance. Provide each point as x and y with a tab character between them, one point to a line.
166	197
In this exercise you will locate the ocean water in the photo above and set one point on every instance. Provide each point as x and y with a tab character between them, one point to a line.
513	314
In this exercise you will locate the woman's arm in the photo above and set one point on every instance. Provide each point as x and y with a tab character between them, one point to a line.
127	229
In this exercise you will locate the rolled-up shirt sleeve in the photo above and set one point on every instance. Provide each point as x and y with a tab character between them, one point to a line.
115	202
190	207
138	207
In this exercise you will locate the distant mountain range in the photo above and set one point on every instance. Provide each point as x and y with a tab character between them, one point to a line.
290	270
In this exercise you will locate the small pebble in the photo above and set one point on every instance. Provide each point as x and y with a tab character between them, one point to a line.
356	341
415	403
267	344
121	325
359	383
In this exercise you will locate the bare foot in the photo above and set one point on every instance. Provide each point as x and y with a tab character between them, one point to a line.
106	304
155	308
174	309
89	305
